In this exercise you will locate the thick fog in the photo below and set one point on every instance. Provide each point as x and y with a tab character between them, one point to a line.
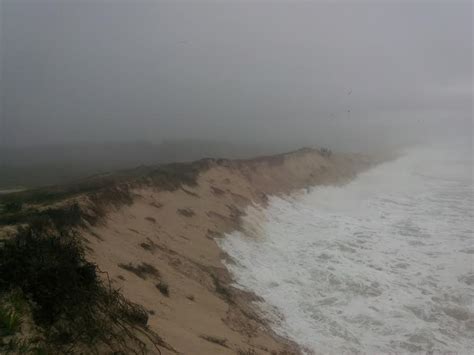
348	75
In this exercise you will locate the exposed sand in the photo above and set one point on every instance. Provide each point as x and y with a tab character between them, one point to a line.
174	232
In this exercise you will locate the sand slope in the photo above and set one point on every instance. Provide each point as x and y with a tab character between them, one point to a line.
169	238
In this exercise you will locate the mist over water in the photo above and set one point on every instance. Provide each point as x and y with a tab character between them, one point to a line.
384	263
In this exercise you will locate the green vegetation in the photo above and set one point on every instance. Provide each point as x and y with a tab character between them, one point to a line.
73	310
173	176
12	207
52	300
61	218
10	314
167	177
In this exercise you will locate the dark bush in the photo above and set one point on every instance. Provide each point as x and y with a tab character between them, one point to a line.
12	207
50	270
61	217
67	298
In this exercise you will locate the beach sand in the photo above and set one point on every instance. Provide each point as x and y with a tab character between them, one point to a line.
165	241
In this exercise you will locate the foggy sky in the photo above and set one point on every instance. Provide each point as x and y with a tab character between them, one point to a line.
243	71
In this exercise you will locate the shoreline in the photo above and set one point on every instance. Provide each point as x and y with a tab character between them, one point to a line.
160	250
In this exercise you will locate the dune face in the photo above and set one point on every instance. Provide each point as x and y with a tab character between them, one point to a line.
161	249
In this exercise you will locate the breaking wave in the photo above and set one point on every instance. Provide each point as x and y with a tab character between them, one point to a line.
382	264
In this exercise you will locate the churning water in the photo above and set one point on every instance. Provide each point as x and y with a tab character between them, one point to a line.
382	264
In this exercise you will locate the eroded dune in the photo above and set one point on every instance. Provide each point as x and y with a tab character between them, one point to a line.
160	250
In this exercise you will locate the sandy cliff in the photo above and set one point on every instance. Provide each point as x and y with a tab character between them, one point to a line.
160	250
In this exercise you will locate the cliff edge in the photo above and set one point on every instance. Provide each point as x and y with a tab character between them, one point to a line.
152	234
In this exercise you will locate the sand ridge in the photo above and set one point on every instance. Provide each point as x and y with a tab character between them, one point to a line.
161	250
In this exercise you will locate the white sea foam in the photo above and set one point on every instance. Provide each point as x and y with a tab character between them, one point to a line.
382	264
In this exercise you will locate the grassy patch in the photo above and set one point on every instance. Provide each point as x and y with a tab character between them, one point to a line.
10	320
57	193
167	177
172	176
12	207
186	212
62	217
68	303
67	299
142	270
215	340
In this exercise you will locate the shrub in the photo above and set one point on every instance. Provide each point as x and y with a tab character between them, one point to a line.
61	217
49	269
67	298
10	321
12	207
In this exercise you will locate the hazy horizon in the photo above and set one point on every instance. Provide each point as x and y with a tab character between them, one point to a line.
349	75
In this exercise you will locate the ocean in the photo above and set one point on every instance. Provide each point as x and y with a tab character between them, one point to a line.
382	264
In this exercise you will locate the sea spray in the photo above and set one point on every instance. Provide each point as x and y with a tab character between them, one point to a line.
381	264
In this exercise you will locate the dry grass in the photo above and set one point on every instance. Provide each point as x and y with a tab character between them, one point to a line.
142	270
68	302
215	340
186	212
